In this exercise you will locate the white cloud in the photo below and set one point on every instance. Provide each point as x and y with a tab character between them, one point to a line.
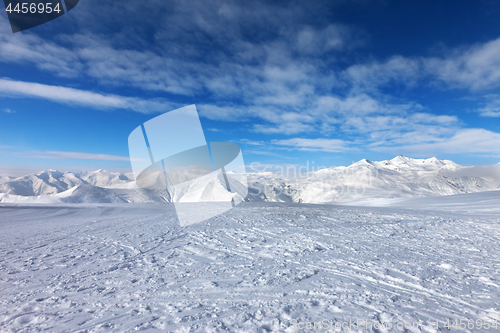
333	37
251	142
9	111
359	104
180	62
28	48
265	152
475	68
226	113
492	108
327	145
373	75
288	128
468	141
397	125
360	114
268	77
51	154
70	155
11	88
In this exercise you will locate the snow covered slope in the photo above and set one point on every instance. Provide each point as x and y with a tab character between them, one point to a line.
209	188
260	267
399	177
53	181
396	178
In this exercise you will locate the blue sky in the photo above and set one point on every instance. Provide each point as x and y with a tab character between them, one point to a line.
289	81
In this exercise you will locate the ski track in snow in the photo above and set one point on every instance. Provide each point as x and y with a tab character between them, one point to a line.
122	268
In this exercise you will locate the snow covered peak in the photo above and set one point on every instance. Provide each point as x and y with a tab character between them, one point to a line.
50	173
52	181
401	160
400	163
362	162
398	177
433	161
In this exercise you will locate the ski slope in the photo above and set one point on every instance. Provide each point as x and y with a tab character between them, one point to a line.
260	267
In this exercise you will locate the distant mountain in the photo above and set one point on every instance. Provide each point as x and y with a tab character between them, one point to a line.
365	179
399	177
103	178
53	181
101	186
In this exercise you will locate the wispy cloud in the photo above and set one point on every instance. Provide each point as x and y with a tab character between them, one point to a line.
266	153
271	77
492	108
468	141
284	128
68	155
328	145
9	111
251	142
12	88
475	68
179	63
371	76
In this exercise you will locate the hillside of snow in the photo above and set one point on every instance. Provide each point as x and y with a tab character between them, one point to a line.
260	267
53	181
397	178
208	188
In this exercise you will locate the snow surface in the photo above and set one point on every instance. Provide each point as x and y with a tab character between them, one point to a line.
121	268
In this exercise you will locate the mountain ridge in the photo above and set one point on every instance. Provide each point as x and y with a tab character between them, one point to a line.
399	177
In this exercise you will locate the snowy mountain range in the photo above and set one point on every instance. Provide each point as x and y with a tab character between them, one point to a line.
363	180
399	177
53	181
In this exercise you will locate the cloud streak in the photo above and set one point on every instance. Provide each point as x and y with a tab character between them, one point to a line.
66	155
476	68
71	96
327	145
468	141
492	108
71	155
